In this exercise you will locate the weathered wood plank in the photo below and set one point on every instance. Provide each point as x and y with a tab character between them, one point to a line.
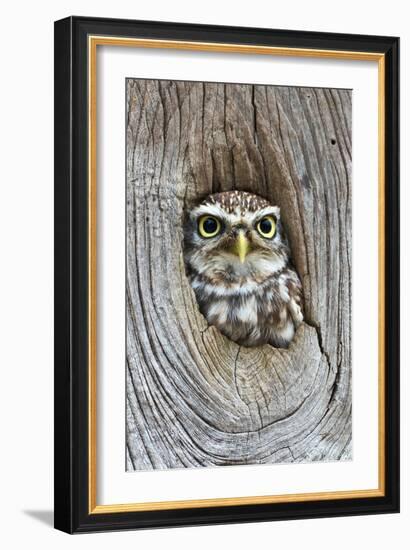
194	398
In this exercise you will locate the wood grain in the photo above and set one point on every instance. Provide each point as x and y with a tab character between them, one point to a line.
195	398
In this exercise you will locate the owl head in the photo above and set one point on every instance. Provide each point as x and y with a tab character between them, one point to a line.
234	235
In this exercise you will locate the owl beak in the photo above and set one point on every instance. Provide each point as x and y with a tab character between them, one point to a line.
241	247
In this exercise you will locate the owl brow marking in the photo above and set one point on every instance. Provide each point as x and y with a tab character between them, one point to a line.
211	210
269	210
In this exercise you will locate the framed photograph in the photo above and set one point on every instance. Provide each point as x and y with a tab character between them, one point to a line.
226	274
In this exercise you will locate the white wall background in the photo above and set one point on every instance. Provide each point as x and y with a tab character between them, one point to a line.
26	270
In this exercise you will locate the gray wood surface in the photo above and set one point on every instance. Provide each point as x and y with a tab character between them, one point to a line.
194	398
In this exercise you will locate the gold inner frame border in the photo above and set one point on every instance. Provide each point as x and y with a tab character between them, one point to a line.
93	42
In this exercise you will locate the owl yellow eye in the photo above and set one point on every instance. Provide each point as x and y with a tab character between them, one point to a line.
267	227
208	226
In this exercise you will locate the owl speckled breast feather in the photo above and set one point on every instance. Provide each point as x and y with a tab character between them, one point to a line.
238	262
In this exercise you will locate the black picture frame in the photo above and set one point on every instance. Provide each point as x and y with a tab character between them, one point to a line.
72	513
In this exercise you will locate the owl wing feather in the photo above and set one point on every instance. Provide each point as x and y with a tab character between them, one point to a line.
294	288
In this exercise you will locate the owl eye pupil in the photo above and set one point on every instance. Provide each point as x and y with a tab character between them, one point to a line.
210	225
265	225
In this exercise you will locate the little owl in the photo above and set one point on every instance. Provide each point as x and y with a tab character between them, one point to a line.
238	262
